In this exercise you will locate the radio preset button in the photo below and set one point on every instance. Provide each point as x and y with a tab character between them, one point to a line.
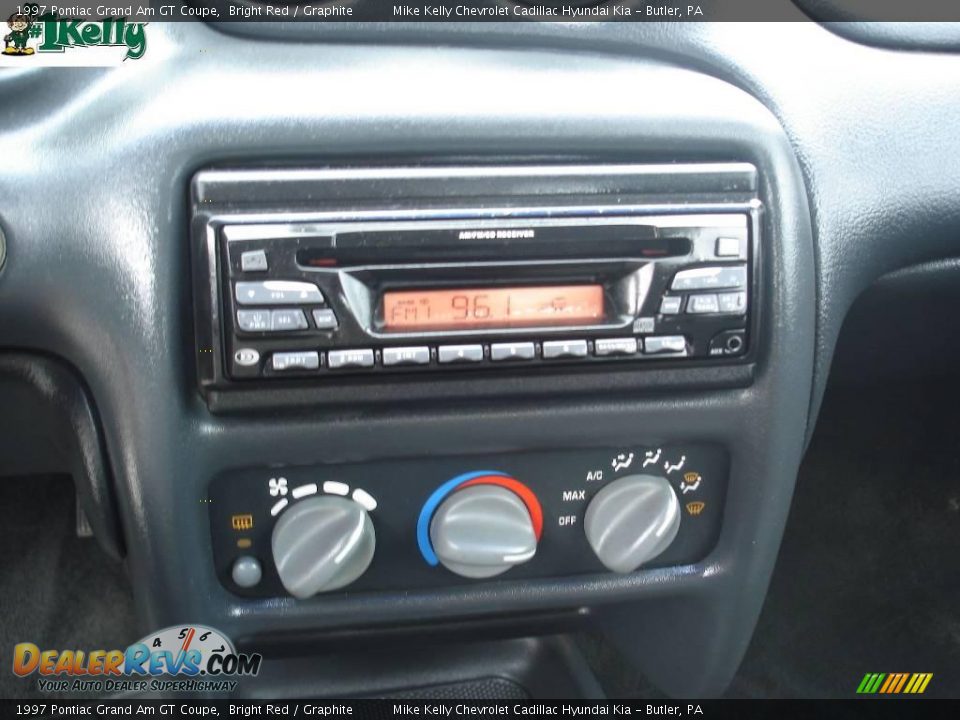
460	353
554	349
253	320
325	319
615	346
253	261
338	359
729	247
671	305
278	292
735	302
406	356
665	344
296	361
500	352
711	278
701	304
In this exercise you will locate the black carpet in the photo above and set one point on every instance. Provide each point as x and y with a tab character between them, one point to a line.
868	578
58	592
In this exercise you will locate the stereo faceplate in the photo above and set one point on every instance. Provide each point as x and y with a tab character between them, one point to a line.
322	293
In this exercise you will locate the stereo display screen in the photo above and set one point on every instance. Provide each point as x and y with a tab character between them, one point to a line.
492	307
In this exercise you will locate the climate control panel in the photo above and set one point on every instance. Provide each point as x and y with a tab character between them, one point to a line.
408	524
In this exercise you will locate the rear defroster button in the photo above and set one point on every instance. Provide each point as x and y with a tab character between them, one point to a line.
246	571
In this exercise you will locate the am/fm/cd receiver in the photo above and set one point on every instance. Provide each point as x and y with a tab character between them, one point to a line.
328	292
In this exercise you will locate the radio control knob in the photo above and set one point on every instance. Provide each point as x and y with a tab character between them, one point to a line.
482	531
322	544
632	520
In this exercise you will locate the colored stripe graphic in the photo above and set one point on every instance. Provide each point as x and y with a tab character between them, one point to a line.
894	683
903	680
891	680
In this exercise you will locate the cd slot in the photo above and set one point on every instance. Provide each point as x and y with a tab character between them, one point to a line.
424	246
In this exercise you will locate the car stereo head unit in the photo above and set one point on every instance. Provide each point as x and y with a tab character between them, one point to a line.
315	296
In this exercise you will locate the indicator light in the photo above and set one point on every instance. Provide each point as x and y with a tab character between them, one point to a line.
241	522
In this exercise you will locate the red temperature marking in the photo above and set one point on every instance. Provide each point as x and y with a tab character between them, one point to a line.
515	486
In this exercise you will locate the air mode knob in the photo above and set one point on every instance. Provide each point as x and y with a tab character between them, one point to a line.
632	520
482	531
322	544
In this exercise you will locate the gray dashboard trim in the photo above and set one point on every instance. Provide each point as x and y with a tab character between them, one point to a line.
242	185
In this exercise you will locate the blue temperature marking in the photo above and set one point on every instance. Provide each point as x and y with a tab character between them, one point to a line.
423	522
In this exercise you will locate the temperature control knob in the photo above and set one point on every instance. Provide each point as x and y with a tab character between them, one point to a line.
632	520
322	544
483	530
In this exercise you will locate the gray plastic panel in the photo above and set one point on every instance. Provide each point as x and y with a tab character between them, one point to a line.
48	425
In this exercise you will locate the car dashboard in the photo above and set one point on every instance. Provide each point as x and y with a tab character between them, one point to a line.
355	334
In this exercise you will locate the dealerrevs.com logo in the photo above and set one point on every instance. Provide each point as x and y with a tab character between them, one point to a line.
34	30
181	658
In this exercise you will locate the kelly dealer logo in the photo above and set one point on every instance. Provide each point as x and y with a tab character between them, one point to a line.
179	658
32	31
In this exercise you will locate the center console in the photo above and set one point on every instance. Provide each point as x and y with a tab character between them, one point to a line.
360	275
364	290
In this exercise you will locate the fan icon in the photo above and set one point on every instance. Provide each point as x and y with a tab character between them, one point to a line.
278	486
